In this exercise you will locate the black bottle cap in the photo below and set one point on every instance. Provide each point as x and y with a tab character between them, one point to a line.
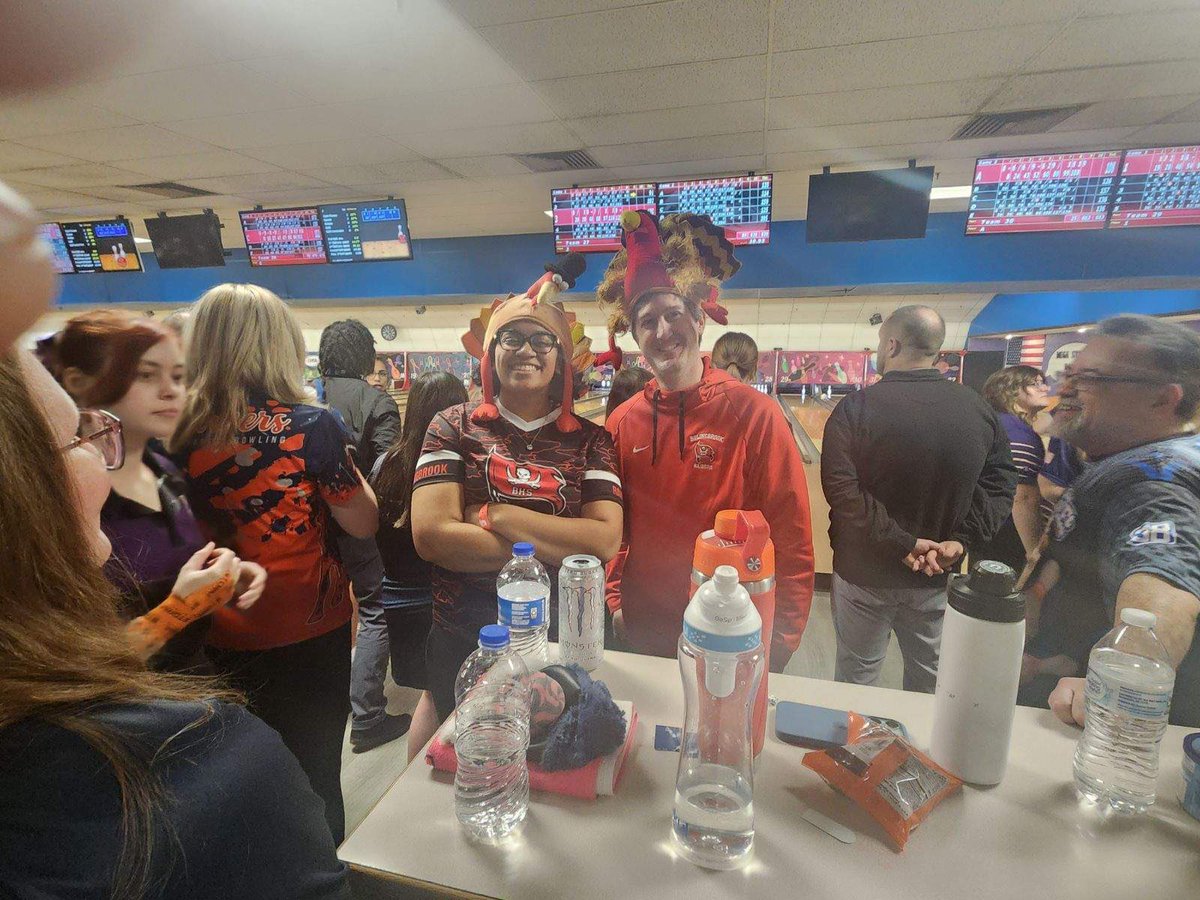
988	593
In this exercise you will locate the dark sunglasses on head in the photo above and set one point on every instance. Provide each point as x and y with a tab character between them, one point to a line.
540	341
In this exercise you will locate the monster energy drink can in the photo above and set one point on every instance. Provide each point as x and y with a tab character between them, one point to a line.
581	611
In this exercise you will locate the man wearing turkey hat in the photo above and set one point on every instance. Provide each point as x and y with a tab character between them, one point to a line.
696	440
519	466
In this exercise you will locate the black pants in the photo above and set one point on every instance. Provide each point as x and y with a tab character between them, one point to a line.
445	652
408	629
303	692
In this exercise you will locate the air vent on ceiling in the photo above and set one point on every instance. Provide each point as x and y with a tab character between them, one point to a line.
1029	121
559	161
171	190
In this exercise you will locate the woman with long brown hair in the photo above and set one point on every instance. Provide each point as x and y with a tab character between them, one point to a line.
117	781
1018	394
407	591
269	472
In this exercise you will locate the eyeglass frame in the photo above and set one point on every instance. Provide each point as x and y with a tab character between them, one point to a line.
1090	377
526	339
111	425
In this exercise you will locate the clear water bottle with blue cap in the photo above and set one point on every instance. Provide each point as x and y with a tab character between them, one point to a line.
721	659
522	596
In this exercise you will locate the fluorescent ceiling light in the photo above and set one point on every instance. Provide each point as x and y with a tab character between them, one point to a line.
957	192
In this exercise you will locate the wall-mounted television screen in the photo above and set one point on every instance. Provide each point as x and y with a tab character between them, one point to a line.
1043	192
106	246
880	205
740	204
186	242
52	234
587	219
284	237
366	231
1158	186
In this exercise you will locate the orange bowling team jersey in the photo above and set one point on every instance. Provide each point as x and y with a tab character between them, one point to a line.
275	487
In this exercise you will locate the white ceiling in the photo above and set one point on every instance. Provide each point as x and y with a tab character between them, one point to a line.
277	102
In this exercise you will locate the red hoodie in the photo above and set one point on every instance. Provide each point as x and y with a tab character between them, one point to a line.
685	456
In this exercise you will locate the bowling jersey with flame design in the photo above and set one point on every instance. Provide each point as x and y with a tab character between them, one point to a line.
494	465
273	489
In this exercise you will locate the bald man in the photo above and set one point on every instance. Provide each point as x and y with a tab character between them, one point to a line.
916	469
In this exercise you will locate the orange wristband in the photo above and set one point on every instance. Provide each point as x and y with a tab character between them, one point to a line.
484	522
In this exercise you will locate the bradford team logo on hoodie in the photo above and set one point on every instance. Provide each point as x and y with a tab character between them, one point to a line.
525	481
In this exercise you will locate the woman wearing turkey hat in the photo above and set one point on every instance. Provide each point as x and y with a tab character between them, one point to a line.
518	466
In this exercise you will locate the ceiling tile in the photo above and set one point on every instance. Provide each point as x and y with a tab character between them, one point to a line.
532	138
1114	7
1117	40
349	151
664	87
203	164
802	24
1167	135
1092	85
713	147
885	133
488	12
945	98
685	169
484	166
275	127
324	194
1104	139
677	31
415	170
44	199
852	157
348	175
79	175
972	54
194	93
1188	114
666	124
1125	113
14	157
111	144
256	184
42	115
479	107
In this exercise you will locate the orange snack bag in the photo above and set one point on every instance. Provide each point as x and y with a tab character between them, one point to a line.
885	775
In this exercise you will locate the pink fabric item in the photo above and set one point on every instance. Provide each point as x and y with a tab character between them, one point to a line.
585	782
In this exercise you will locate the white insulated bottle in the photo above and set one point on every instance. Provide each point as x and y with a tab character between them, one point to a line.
983	639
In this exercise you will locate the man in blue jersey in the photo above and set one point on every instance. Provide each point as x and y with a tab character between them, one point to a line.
1127	532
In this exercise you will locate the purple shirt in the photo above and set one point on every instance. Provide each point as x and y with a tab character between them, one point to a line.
149	548
1028	451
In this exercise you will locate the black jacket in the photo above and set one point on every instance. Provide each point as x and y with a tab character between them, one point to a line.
371	415
912	456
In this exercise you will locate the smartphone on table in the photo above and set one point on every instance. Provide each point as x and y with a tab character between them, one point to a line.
818	727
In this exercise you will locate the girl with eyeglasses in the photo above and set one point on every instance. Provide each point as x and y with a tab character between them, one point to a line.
126	372
518	466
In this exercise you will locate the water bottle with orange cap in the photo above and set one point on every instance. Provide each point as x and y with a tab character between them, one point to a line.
742	539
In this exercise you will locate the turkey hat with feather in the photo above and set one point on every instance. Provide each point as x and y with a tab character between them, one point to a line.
538	304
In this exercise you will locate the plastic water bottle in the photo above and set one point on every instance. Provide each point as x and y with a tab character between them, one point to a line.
721	659
491	735
523	593
1128	699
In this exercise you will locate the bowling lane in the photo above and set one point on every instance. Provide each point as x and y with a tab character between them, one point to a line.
810	415
591	407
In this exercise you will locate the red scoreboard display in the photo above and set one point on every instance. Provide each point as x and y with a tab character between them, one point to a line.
741	204
284	237
587	219
1046	192
1158	186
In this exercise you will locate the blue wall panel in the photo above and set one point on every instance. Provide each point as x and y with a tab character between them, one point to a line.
1020	312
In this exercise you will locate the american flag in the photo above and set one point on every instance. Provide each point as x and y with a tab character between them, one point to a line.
1028	350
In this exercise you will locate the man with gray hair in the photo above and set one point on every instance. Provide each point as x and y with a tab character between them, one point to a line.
916	470
1126	534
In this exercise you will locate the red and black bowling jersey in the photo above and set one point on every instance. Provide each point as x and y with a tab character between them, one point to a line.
530	464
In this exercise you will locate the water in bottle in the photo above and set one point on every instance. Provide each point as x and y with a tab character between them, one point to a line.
721	659
491	736
1128	699
523	593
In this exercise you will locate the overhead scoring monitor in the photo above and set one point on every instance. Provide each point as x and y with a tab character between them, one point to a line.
52	234
186	242
1158	186
587	219
1042	192
873	205
106	246
740	204
284	237
366	231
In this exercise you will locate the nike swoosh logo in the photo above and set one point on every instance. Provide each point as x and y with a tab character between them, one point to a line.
640	449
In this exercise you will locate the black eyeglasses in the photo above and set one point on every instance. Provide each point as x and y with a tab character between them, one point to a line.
542	342
100	431
1087	376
